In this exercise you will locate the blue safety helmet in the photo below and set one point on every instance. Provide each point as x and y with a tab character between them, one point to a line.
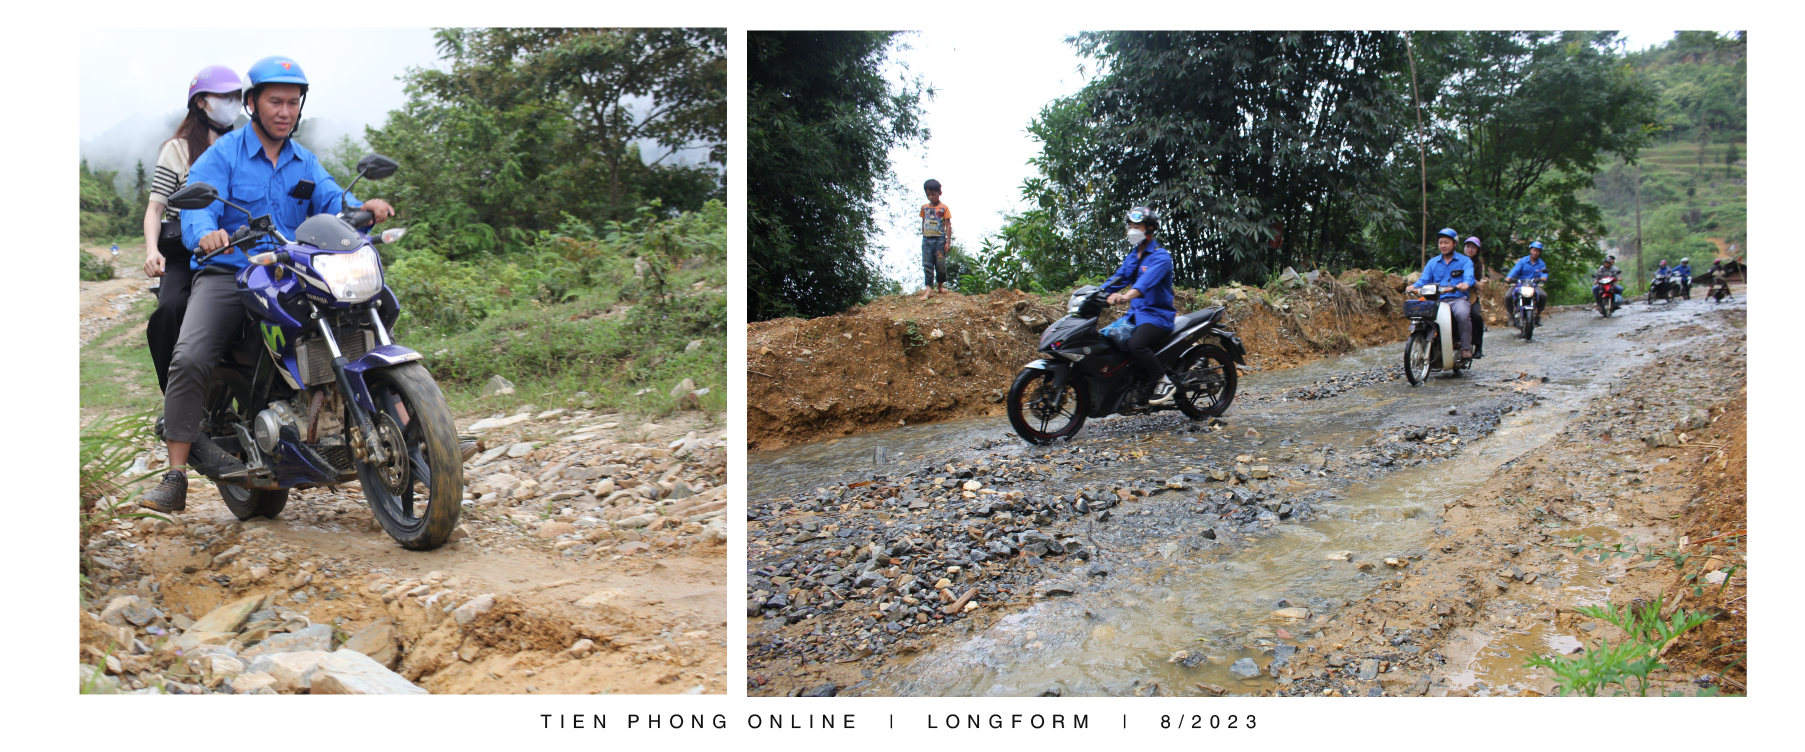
276	69
1536	245
1450	234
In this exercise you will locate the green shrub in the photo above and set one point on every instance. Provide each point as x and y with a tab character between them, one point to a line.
95	268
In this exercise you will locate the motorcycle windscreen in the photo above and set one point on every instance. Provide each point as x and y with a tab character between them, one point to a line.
1065	330
328	232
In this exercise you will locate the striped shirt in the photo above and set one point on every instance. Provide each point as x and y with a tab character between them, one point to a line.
171	174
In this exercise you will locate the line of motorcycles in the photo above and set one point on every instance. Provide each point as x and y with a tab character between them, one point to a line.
1085	374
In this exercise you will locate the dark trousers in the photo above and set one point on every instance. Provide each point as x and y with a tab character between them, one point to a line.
214	318
1478	328
1141	345
933	259
165	325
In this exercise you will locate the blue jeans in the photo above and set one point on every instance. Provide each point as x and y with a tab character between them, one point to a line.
933	259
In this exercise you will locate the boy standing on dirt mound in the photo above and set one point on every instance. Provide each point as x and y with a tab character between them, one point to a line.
936	234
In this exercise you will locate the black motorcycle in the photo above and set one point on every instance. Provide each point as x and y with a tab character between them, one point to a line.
1522	304
1087	375
1663	288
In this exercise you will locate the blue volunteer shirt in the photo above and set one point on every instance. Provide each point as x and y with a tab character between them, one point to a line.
1441	273
1684	270
236	167
1528	268
1152	275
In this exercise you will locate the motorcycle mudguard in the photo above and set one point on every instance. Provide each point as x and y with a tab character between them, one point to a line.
1232	344
1444	321
381	357
1044	364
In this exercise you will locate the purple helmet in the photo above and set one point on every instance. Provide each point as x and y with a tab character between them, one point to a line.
215	79
1474	240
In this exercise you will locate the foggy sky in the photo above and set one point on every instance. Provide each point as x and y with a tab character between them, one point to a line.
134	82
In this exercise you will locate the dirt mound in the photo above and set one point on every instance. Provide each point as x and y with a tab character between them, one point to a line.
902	360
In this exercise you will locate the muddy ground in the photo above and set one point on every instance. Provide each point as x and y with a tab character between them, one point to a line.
903	361
590	558
1339	533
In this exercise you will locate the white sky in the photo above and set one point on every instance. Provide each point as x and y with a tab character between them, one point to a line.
989	86
131	83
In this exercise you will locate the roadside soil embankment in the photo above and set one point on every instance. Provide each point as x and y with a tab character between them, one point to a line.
901	360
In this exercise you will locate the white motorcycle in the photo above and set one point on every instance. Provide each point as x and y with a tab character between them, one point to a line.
1432	342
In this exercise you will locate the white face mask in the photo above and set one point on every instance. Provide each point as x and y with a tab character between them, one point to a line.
1135	237
222	110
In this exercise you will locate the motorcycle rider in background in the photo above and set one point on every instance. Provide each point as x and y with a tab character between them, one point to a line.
1684	270
263	170
1146	273
1440	271
1608	269
1531	268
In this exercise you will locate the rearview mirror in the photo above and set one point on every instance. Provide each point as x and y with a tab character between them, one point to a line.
376	166
194	196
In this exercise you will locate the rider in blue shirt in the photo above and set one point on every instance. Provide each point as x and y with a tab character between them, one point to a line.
1452	274
1684	270
1145	278
1530	268
259	168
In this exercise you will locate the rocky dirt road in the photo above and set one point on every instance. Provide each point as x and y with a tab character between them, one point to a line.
1340	533
589	559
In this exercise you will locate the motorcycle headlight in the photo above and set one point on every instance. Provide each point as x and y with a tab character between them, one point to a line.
351	277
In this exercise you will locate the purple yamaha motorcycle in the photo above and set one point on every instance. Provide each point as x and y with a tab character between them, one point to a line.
314	392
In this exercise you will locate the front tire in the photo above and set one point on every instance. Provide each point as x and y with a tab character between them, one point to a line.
1529	323
1040	417
1216	375
425	463
1416	358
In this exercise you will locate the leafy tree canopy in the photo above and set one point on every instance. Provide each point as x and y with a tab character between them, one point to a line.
821	119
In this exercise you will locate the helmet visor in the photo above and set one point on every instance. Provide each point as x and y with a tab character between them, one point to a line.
1137	215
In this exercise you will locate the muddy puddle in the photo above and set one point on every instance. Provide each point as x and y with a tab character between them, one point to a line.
1181	616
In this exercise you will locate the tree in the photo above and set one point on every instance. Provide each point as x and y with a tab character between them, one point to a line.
1524	119
618	87
1257	147
141	188
821	120
519	132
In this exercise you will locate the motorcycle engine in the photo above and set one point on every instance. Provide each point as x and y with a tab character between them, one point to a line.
267	428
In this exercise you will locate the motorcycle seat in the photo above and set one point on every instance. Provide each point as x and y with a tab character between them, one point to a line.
1188	320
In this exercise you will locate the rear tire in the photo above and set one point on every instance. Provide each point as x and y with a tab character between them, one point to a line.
1033	384
247	503
1416	358
1216	393
432	466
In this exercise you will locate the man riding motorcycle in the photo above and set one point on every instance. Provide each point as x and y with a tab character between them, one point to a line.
1452	273
1683	273
263	170
1609	269
1146	273
1531	268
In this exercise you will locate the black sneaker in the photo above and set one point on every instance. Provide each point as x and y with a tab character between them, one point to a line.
170	495
1161	394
